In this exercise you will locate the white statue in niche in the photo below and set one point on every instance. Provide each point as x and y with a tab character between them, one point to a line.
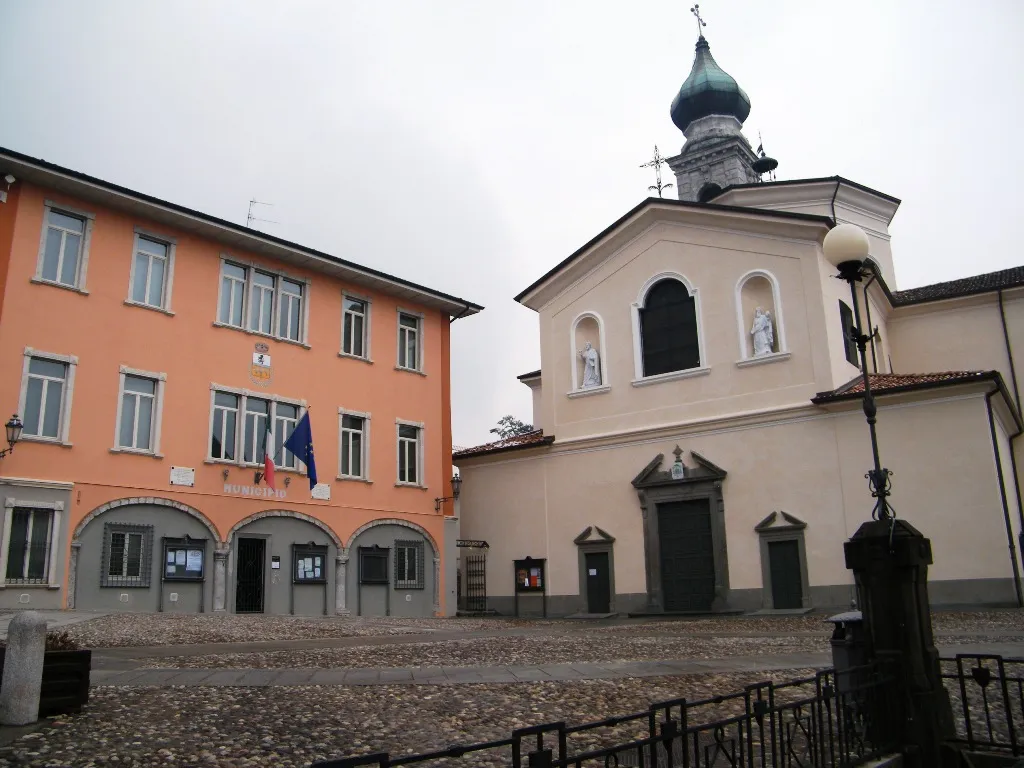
591	367
762	332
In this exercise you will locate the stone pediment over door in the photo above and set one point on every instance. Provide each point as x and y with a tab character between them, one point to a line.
685	552
592	534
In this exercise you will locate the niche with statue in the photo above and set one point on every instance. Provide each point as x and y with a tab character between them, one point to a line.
760	317
589	368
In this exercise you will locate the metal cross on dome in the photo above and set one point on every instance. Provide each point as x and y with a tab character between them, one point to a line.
656	162
700	22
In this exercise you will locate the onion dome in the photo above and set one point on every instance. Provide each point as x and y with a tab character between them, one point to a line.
709	90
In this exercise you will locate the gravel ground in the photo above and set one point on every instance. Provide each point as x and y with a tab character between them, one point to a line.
499	651
284	727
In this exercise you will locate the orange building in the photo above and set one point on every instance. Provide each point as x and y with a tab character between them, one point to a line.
148	347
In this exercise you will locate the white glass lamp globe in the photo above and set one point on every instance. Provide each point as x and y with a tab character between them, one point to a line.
847	242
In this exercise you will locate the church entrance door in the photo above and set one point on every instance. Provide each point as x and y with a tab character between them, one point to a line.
599	586
686	555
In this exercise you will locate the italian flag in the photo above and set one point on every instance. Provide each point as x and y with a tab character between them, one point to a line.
268	456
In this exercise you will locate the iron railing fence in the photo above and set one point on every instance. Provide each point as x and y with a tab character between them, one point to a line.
987	696
829	720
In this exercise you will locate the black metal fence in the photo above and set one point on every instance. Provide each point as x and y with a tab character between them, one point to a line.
987	695
831	719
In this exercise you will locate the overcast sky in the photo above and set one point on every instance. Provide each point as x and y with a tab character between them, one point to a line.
472	145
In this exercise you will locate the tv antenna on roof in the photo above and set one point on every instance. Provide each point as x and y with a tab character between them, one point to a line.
250	219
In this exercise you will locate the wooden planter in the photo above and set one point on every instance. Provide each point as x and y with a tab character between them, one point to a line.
65	687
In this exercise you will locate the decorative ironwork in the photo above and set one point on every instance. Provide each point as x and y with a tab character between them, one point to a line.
987	694
476	583
656	162
700	22
831	719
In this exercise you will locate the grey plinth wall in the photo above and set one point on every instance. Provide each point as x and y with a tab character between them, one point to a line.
340	578
220	579
23	669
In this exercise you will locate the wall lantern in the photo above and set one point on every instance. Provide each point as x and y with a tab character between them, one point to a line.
456	490
14	427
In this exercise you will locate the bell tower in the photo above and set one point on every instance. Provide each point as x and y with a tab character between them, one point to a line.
710	109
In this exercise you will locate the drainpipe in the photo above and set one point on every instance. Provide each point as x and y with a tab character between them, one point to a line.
1002	493
463	312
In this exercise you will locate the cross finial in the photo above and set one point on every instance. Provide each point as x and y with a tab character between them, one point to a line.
678	452
700	22
656	162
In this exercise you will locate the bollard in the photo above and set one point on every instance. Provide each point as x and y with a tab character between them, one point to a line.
23	669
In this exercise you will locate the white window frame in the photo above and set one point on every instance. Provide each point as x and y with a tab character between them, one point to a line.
88	219
123	576
252	289
279	441
279	299
243	395
71	361
158	411
419	340
342	413
419	453
251	267
703	369
57	507
367	312
165	298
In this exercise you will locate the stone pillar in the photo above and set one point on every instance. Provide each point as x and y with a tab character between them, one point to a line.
220	580
76	546
23	669
890	559
340	580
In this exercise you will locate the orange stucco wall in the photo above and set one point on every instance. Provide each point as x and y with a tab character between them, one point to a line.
105	333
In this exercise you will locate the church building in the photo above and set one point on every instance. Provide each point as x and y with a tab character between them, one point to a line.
700	443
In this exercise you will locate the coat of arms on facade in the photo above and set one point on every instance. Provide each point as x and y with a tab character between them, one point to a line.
260	371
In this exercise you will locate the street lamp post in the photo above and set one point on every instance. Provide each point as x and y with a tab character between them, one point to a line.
847	247
456	489
889	559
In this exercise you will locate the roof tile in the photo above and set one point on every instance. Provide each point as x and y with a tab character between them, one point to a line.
990	281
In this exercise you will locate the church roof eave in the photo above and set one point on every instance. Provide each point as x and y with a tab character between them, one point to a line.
529	297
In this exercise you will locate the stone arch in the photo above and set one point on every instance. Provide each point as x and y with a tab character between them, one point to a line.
745	302
708	192
394	521
595	320
284	513
142	500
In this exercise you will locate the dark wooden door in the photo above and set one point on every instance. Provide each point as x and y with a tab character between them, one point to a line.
599	582
249	579
686	555
784	566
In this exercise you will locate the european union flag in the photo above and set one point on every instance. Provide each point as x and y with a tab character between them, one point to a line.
301	444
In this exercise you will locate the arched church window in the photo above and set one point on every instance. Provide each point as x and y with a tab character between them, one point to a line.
708	192
668	329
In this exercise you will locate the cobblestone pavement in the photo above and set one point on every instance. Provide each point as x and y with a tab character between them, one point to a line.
293	726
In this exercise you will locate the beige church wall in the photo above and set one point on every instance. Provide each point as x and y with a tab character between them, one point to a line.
536	397
713	263
811	466
957	335
944	480
1004	428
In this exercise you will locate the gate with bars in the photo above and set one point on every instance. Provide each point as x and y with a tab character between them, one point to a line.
476	583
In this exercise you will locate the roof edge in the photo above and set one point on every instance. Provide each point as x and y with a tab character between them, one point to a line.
815	180
472	453
84	178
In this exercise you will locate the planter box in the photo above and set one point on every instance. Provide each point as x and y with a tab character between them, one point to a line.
65	687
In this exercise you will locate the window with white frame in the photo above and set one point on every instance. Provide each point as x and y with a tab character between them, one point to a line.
290	321
409	438
45	398
64	247
240	415
355	327
151	272
29	546
127	555
286	417
263	302
257	411
408	341
138	413
232	294
224	440
355	439
409	566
